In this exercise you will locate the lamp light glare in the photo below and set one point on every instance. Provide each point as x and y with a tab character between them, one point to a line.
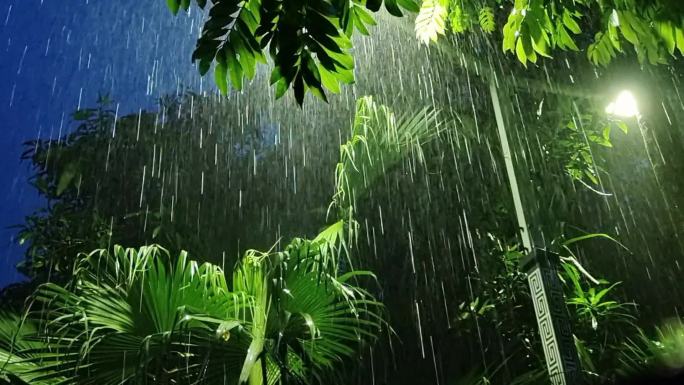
625	105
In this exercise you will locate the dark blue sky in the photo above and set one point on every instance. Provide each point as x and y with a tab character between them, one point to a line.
57	54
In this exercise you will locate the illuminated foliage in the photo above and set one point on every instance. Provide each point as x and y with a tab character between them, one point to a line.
309	41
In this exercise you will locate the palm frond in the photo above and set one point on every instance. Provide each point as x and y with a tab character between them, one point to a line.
380	140
323	318
16	347
139	315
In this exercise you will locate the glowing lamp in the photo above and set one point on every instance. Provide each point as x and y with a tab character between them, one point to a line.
625	105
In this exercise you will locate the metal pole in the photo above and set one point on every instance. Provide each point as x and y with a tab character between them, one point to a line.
545	286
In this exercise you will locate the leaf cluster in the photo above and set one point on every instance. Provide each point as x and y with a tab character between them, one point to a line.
536	28
308	41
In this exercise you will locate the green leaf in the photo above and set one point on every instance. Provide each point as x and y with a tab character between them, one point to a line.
623	126
509	35
667	33
458	21
204	66
234	69
361	19
431	21
565	40
410	5
592	236
373	5
281	88
299	90
66	177
156	231
486	19
606	135
679	36
570	22
220	77
329	81
393	8
174	5
520	52
538	38
360	26
626	27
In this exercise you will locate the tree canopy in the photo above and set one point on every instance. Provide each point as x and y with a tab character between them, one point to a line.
310	45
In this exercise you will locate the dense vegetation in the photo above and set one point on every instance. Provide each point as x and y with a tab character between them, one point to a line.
141	316
421	199
138	316
496	316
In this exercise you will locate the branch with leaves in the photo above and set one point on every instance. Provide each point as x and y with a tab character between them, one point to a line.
309	41
537	28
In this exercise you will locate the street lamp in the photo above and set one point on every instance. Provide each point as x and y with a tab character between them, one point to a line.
539	265
624	105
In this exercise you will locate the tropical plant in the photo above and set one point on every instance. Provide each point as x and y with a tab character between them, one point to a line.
19	350
661	350
601	323
414	185
500	317
310	46
141	316
499	314
380	139
571	145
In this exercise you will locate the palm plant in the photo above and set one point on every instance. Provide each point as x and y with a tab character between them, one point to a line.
140	316
129	316
379	141
17	349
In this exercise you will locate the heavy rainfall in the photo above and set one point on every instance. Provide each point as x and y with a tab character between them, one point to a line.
450	192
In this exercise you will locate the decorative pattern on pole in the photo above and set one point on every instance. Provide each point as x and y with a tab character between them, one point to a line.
553	322
545	286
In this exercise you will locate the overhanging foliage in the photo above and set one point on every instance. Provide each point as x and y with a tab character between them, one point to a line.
309	41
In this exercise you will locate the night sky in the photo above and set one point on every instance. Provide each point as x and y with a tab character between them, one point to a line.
56	55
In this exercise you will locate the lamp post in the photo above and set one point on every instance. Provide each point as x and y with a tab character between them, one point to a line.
542	276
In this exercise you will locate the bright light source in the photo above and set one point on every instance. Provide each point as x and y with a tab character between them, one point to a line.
625	105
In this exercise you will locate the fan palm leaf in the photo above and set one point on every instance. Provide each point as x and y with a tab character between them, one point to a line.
16	347
138	316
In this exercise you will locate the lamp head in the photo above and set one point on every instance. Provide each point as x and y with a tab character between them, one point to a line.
624	105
